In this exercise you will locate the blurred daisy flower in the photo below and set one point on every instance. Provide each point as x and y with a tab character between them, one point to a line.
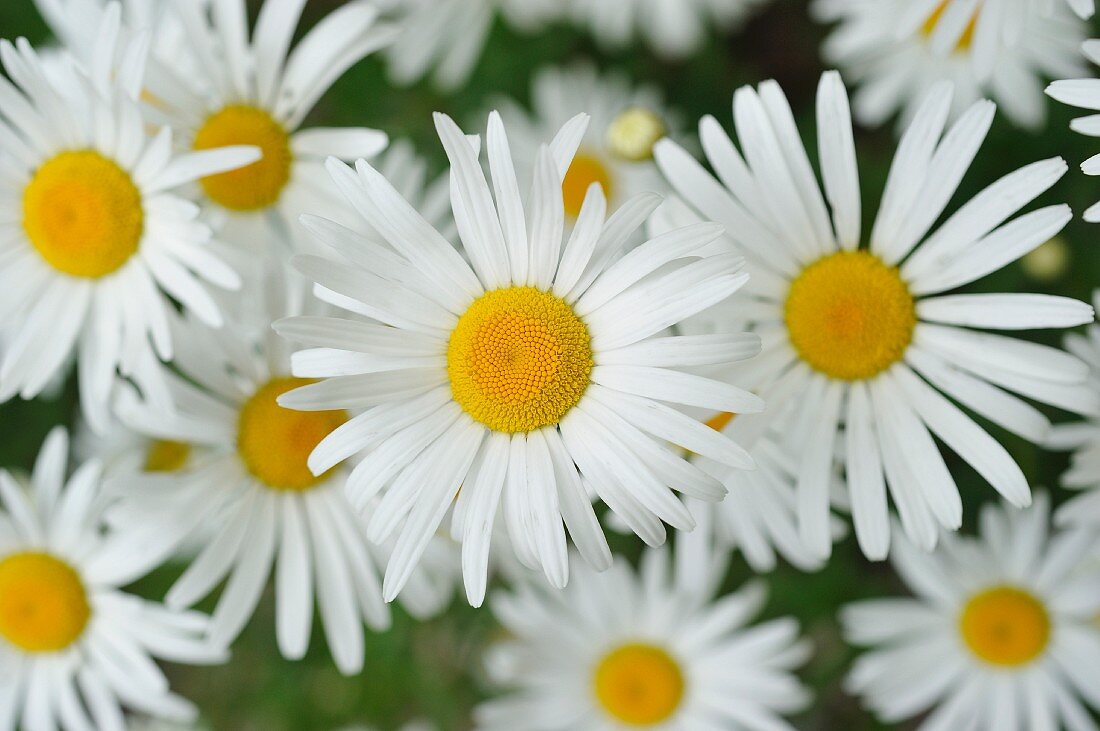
1000	635
74	648
894	51
865	336
526	376
1084	93
653	648
95	236
673	28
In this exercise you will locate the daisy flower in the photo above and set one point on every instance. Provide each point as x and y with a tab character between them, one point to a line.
617	149
1000	634
869	336
673	28
895	50
93	237
1084	93
444	39
528	375
75	648
653	648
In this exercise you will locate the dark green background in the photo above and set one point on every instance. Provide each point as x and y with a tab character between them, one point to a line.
431	670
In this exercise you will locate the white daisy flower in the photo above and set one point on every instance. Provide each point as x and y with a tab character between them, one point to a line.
673	28
1084	93
526	376
1084	8
93	238
617	149
254	501
999	636
866	337
654	648
444	39
894	51
74	648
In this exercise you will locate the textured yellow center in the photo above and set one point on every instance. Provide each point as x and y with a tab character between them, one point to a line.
1005	626
166	456
43	604
850	316
585	170
83	214
275	443
254	186
638	684
965	40
519	359
634	133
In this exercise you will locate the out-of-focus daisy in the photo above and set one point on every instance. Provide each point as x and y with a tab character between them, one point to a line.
1084	93
1049	262
1084	8
674	28
1000	634
94	238
1083	438
896	50
648	649
617	149
74	648
522	375
865	336
445	38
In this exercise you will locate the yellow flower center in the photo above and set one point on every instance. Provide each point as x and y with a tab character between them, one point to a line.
850	316
43	604
720	421
519	359
965	40
585	170
83	214
254	186
639	684
634	133
275	443
1005	626
163	455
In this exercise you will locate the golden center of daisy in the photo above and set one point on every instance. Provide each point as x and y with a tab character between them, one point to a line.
965	40
163	455
519	359
850	316
43	603
1005	626
634	133
253	186
83	214
275	443
639	684
585	170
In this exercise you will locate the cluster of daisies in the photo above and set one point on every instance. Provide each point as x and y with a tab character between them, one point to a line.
303	361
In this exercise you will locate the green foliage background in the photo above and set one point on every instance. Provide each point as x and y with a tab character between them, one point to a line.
431	670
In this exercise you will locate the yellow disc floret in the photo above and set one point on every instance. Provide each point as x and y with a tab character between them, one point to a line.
1005	626
634	133
275	442
519	359
965	40
585	170
639	684
164	455
83	214
850	316
254	186
43	603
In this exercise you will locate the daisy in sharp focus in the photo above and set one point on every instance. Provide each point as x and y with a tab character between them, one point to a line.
526	377
1085	94
673	28
869	337
95	242
74	648
894	51
655	648
1001	634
